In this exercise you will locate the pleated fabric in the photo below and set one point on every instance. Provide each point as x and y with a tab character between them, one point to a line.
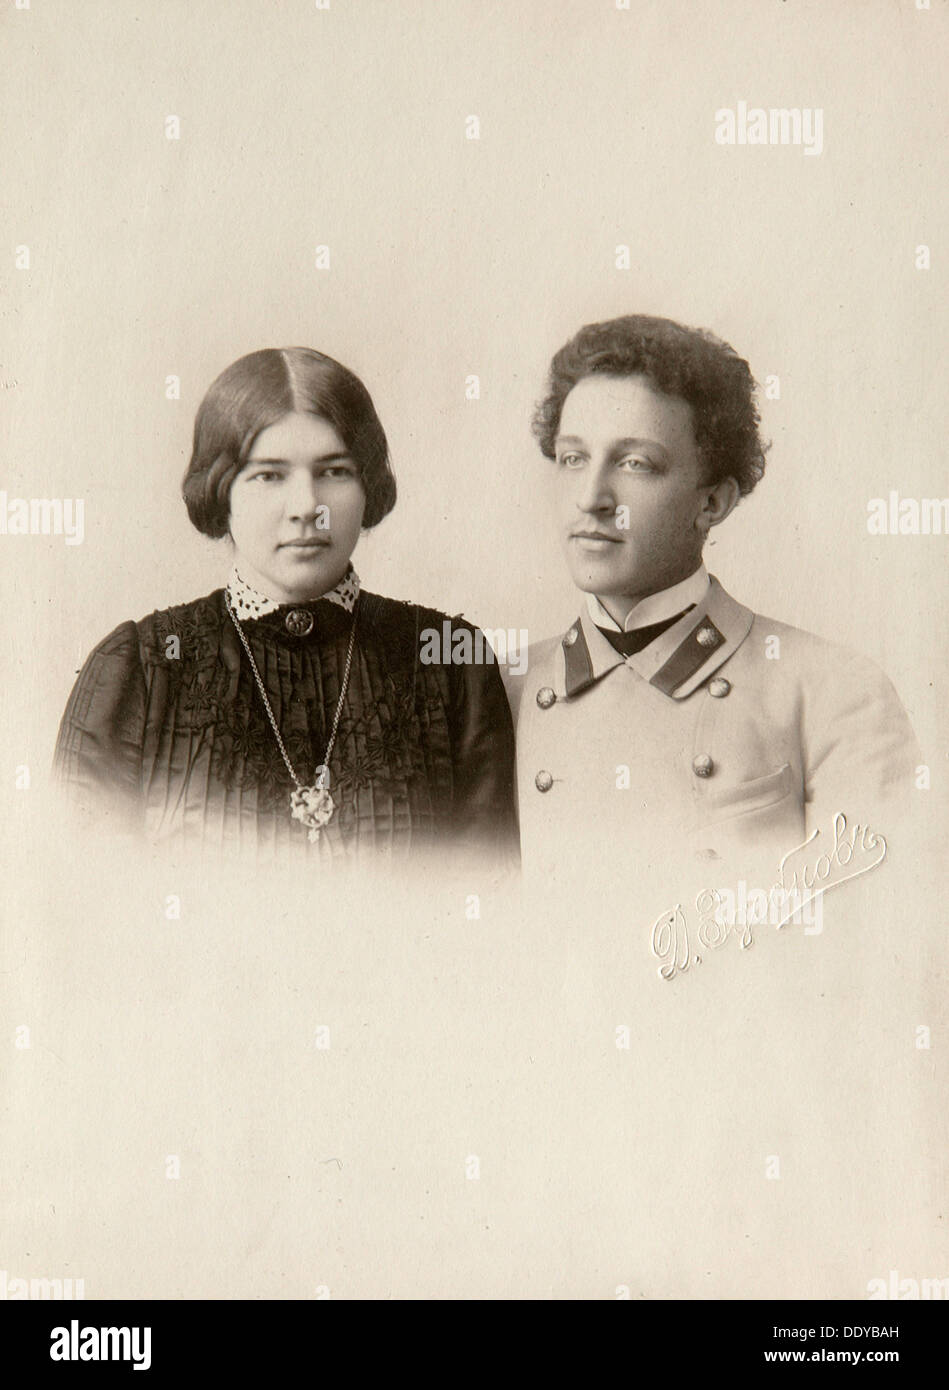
166	728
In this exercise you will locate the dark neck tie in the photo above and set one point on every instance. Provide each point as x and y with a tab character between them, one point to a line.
628	643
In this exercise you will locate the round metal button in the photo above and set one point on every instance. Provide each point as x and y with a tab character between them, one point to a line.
543	781
546	697
719	688
299	622
706	637
570	637
703	766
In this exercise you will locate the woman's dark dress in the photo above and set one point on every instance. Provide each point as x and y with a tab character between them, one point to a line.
166	732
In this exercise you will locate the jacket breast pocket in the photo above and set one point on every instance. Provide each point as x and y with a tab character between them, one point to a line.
755	795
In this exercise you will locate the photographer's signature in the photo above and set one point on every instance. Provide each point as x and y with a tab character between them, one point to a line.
805	873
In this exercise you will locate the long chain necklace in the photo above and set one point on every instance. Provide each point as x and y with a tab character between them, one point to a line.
311	804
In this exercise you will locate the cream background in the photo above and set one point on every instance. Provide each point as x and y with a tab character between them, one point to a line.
153	257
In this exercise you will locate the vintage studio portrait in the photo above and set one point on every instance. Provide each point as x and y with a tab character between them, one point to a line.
675	724
473	524
290	708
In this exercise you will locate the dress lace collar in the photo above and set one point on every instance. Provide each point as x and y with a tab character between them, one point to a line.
248	602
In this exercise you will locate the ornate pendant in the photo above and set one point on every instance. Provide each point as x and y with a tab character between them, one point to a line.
314	807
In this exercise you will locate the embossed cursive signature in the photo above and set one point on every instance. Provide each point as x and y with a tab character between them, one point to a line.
805	872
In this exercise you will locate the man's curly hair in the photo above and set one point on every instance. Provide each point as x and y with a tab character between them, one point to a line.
690	363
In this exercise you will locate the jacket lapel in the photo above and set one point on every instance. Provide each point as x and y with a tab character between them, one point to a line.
680	659
587	655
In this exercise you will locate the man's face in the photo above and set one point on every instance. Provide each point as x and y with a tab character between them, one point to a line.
629	481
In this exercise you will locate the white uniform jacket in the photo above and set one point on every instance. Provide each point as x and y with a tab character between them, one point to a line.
729	733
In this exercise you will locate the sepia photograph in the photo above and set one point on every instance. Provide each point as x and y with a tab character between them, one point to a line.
473	525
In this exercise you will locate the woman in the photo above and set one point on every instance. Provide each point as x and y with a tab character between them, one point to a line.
290	708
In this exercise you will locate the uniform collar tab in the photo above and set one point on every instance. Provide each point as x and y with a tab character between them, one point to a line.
686	655
677	662
587	655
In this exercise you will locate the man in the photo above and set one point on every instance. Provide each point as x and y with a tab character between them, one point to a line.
670	726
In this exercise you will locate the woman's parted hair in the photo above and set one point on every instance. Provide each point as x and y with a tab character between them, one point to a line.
258	390
690	363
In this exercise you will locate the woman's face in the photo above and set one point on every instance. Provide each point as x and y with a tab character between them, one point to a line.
296	509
